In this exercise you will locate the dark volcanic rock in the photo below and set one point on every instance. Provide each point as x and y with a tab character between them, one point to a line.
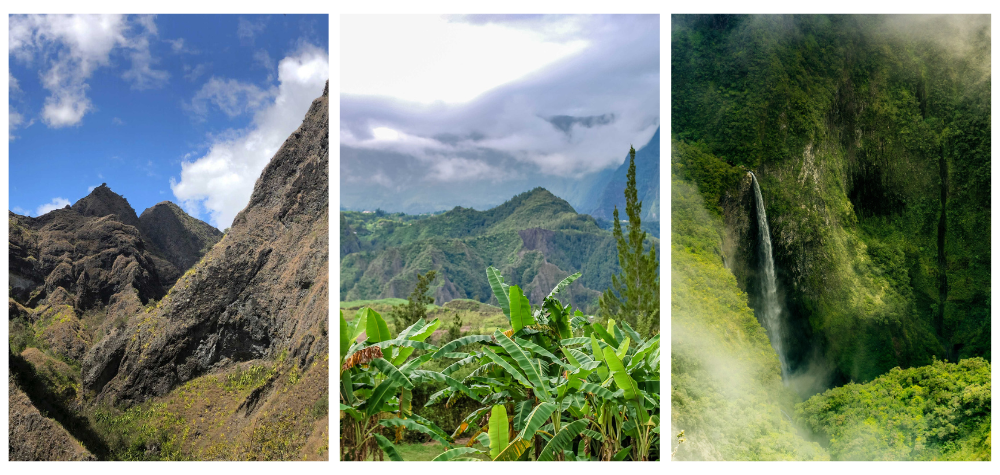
103	202
98	248
260	292
176	237
91	258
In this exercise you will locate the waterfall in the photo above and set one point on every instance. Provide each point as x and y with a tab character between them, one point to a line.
770	307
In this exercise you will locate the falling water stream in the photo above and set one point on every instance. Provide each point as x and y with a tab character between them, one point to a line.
770	307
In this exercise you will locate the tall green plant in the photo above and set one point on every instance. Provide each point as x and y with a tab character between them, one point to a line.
634	296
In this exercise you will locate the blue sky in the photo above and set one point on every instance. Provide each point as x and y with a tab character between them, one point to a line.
185	108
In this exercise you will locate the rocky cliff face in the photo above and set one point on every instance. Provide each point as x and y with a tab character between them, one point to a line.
260	293
76	274
176	238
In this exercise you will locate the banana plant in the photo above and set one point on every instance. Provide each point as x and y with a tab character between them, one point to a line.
633	409
601	390
553	382
377	377
565	393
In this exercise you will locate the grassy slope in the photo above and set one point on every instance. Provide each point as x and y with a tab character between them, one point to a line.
726	385
203	419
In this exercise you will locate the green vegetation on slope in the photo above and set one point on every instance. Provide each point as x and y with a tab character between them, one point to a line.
726	390
535	238
936	412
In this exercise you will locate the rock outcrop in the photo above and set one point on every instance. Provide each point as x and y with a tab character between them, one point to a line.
98	247
104	202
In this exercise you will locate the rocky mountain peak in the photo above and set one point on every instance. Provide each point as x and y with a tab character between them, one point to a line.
102	202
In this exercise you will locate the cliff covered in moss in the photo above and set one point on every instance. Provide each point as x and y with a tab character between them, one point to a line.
870	139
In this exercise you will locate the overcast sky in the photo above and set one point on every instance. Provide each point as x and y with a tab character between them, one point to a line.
186	108
431	105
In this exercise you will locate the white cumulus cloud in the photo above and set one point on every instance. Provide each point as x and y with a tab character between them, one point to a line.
221	181
69	48
56	203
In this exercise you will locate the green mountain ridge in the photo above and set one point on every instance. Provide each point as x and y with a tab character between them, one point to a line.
535	237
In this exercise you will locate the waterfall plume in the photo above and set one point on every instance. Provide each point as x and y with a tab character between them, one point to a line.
770	307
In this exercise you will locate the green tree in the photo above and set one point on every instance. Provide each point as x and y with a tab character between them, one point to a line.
416	308
455	330
634	296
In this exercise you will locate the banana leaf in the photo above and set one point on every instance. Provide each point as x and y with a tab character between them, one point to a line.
414	425
458	342
524	362
622	454
376	328
542	351
456	453
422	376
520	310
523	410
388	448
359	324
499	289
563	439
597	391
562	285
345	337
507	366
392	372
604	335
514	451
633	334
574	341
535	420
458	364
498	430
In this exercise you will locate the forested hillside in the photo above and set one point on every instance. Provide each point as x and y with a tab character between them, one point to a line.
535	237
870	139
